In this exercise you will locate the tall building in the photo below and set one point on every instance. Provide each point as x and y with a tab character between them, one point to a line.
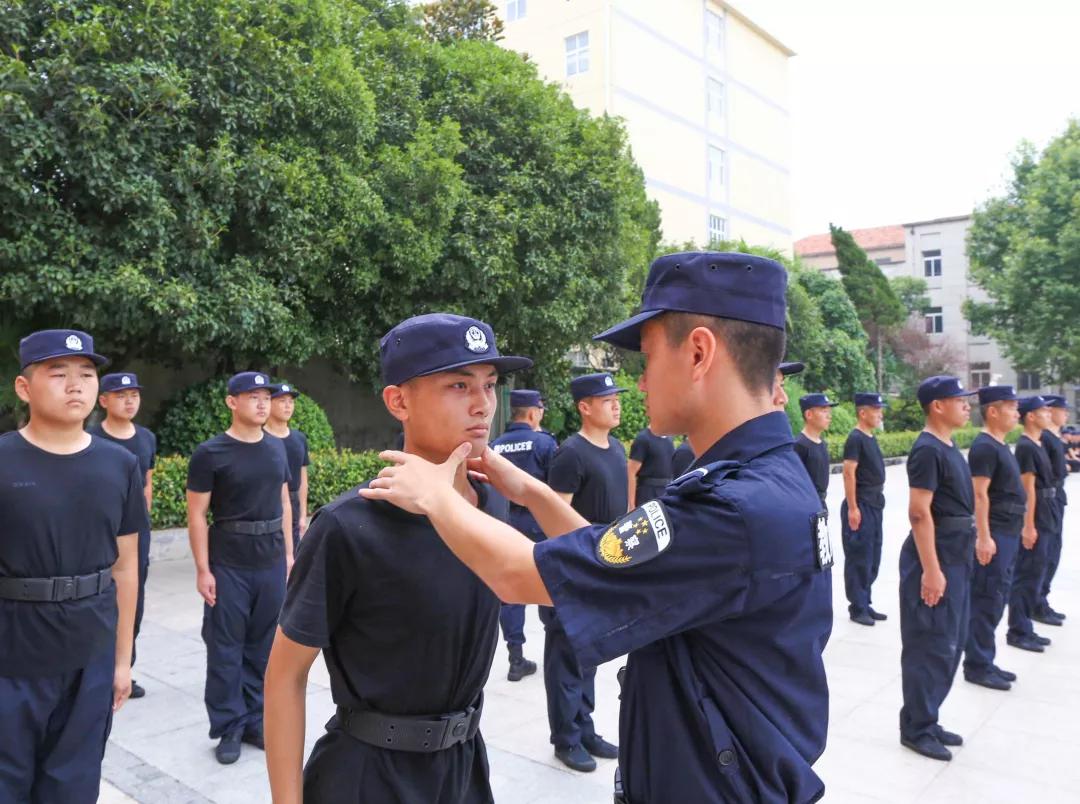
936	251
704	95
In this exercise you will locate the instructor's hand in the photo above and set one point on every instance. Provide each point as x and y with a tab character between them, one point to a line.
933	587
412	483
510	481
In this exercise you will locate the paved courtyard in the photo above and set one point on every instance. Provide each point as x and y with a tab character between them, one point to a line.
1021	745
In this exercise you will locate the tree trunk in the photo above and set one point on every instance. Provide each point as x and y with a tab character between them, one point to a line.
880	368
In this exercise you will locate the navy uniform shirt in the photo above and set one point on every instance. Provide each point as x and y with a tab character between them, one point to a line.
244	480
815	457
60	516
682	459
870	472
1055	450
1033	459
988	457
654	453
716	593
936	466
143	445
532	451
297	454
405	628
594	475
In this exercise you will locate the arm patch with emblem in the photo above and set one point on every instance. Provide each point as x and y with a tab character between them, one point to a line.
640	536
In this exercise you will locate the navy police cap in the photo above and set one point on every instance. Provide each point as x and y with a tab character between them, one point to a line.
943	386
283	389
870	399
815	401
1056	401
121	381
48	344
990	394
525	398
743	287
247	381
602	384
1030	403
434	342
787	369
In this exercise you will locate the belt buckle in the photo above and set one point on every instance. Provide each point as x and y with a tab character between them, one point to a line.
457	727
63	589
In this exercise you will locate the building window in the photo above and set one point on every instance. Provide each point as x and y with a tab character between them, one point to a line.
515	10
934	321
577	53
714	101
980	375
931	261
717	229
716	171
1028	381
714	36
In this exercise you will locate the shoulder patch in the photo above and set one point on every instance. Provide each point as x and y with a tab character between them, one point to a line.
640	536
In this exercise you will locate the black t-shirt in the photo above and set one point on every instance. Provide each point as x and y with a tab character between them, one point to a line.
1055	451
682	460
296	451
939	467
405	627
60	515
143	445
870	471
595	476
654	453
244	480
815	457
988	457
1034	459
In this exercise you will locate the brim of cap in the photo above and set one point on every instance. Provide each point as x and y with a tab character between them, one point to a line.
627	334
605	392
504	365
97	360
791	368
293	394
805	408
249	389
123	388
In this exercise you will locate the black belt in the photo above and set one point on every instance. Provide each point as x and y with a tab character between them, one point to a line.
248	527
1048	494
869	490
55	590
1009	508
421	734
953	523
654	481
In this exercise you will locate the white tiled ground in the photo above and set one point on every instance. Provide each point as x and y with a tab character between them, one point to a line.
1021	746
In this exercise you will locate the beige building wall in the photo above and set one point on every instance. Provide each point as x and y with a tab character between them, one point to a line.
660	66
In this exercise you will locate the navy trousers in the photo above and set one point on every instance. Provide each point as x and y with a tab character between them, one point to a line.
144	571
52	734
990	588
512	621
238	632
862	555
571	688
932	639
1053	554
1028	580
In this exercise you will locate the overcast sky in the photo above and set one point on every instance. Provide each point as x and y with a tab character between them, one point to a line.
904	111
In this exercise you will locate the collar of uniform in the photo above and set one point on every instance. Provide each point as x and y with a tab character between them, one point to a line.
750	439
517	426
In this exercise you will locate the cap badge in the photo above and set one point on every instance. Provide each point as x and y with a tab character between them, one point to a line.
259	380
73	342
285	388
476	340
609	382
125	380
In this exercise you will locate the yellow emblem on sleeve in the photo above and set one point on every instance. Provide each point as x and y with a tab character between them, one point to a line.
611	549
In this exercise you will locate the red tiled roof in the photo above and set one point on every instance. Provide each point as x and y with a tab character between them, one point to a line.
868	239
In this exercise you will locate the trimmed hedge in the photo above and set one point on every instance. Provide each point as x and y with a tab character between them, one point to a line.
895	445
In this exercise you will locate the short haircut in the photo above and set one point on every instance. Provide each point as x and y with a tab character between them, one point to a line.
755	349
517	414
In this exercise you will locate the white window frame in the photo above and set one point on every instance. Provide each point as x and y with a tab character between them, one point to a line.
516	9
718	228
935	321
715	100
931	260
577	53
715	34
1028	381
716	170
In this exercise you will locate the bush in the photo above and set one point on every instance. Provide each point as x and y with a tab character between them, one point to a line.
199	412
170	499
634	418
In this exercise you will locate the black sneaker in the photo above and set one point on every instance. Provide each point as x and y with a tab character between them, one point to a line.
928	746
137	691
1053	613
989	679
576	758
1005	674
1046	618
862	618
1025	642
877	615
519	668
1040	639
228	750
253	735
599	747
949	738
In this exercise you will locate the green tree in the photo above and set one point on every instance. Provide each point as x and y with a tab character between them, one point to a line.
912	293
878	307
1024	251
449	20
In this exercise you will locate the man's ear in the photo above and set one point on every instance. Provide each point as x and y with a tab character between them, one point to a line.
394	398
